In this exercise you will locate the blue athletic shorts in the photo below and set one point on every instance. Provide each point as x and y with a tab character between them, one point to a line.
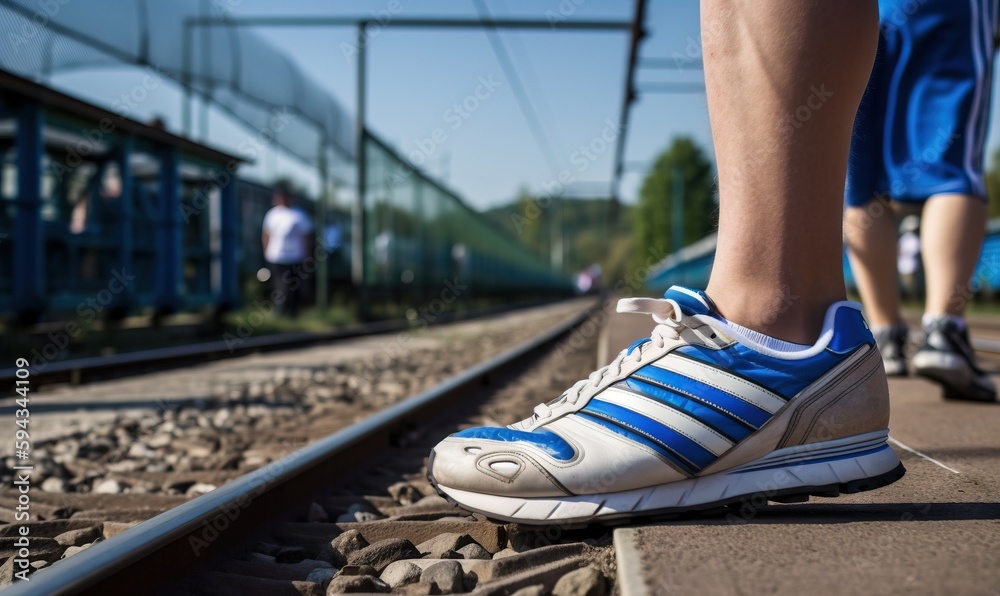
923	119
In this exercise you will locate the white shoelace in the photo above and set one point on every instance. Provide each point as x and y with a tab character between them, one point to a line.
669	323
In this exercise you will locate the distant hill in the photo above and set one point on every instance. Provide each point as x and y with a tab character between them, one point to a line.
595	231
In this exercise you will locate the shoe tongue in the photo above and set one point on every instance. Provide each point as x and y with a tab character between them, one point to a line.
692	302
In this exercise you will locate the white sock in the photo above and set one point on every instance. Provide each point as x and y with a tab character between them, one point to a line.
929	318
767	341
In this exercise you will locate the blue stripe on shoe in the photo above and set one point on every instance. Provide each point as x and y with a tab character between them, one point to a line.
618	428
546	440
732	405
787	377
727	426
684	447
692	302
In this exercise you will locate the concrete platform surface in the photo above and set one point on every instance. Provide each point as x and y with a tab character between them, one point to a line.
935	531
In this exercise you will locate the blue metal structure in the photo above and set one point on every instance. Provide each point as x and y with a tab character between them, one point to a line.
100	214
105	216
692	265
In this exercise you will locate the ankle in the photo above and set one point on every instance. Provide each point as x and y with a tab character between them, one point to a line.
782	314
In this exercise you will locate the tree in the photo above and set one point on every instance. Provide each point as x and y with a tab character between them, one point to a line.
683	170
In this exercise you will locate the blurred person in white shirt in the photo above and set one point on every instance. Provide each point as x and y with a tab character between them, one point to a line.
287	238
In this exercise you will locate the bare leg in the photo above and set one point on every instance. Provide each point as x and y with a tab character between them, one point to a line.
952	234
871	242
784	79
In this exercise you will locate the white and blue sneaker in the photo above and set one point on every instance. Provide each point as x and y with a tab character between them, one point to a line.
700	415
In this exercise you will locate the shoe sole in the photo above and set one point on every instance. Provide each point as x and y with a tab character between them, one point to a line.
790	475
953	373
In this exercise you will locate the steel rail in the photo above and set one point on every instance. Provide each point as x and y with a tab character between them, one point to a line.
153	553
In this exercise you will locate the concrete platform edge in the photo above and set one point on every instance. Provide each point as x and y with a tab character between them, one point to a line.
631	579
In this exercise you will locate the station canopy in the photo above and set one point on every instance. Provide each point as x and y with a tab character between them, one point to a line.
238	70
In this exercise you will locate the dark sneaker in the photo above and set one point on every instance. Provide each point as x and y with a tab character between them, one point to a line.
947	358
892	344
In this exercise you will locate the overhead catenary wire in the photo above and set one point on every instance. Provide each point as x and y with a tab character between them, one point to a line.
520	94
523	58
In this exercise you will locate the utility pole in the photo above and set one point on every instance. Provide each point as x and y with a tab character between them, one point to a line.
677	210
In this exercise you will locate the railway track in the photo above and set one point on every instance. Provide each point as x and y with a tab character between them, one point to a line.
276	530
87	369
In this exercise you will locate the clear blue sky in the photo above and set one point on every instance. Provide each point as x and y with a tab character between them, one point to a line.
575	80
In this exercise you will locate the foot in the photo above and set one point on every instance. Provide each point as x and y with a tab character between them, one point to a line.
694	417
947	358
892	345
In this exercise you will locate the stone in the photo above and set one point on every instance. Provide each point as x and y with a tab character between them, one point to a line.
158	441
7	572
317	514
401	573
507	552
54	485
180	487
357	570
404	493
358	516
126	466
113	528
446	575
139	450
308	588
290	554
46	549
359	512
108	487
438	546
321	575
79	537
585	581
418	589
492	537
380	554
357	583
349	542
47	529
473	551
199	488
536	590
69	552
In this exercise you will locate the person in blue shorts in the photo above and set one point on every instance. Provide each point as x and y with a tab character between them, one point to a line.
918	145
